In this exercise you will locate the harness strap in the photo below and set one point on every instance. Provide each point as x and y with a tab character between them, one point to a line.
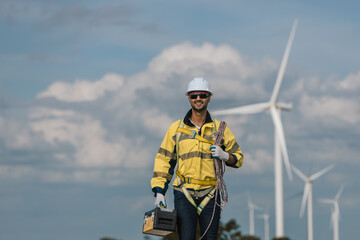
196	194
204	202
193	134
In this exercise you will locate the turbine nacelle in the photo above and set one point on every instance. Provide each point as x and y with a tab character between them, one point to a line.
284	106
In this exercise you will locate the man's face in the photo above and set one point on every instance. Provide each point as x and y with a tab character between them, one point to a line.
199	100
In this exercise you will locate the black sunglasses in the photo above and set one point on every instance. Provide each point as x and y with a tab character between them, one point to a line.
202	95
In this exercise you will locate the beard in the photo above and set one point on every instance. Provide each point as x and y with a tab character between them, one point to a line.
199	109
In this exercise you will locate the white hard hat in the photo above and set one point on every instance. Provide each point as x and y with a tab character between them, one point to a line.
198	84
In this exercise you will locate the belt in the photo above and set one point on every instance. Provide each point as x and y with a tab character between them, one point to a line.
195	181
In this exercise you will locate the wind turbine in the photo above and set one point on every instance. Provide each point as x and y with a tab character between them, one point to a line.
252	207
265	216
307	197
280	145
335	215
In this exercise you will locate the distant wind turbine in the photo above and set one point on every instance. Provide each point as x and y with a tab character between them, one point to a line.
252	207
280	145
335	215
307	197
265	216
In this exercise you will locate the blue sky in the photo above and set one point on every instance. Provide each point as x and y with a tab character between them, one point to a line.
88	89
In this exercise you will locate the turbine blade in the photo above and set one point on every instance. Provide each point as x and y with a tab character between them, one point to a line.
339	192
304	200
299	173
281	137
248	109
294	196
283	64
320	173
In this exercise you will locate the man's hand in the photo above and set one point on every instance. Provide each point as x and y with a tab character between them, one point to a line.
160	201
218	153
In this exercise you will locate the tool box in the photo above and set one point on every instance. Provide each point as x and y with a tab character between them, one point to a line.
160	222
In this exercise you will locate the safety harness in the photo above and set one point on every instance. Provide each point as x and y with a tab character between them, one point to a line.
182	180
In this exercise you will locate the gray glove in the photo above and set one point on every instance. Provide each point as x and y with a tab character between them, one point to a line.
218	153
160	201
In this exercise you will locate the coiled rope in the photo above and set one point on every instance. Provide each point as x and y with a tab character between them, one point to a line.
219	167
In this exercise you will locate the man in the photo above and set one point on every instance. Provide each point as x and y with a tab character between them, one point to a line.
189	142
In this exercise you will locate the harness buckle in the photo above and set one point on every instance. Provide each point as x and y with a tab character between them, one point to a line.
192	134
211	195
187	180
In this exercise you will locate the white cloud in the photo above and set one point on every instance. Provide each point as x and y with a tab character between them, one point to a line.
222	65
308	84
155	121
258	162
83	90
42	112
351	82
185	57
328	109
88	136
66	129
16	135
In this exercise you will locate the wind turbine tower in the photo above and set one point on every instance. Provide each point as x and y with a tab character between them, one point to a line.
252	207
307	197
265	216
280	150
335	215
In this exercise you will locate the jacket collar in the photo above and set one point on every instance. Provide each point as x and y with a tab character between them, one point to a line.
189	123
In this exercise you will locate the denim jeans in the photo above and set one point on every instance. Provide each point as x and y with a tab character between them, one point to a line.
187	217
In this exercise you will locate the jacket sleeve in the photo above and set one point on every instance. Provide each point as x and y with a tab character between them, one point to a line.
165	162
232	147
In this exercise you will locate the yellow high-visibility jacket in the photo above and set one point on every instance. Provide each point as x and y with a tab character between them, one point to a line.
195	159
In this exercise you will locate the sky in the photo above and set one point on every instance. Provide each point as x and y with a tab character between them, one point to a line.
89	88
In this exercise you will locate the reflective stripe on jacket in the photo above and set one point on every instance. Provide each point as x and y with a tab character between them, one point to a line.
195	159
